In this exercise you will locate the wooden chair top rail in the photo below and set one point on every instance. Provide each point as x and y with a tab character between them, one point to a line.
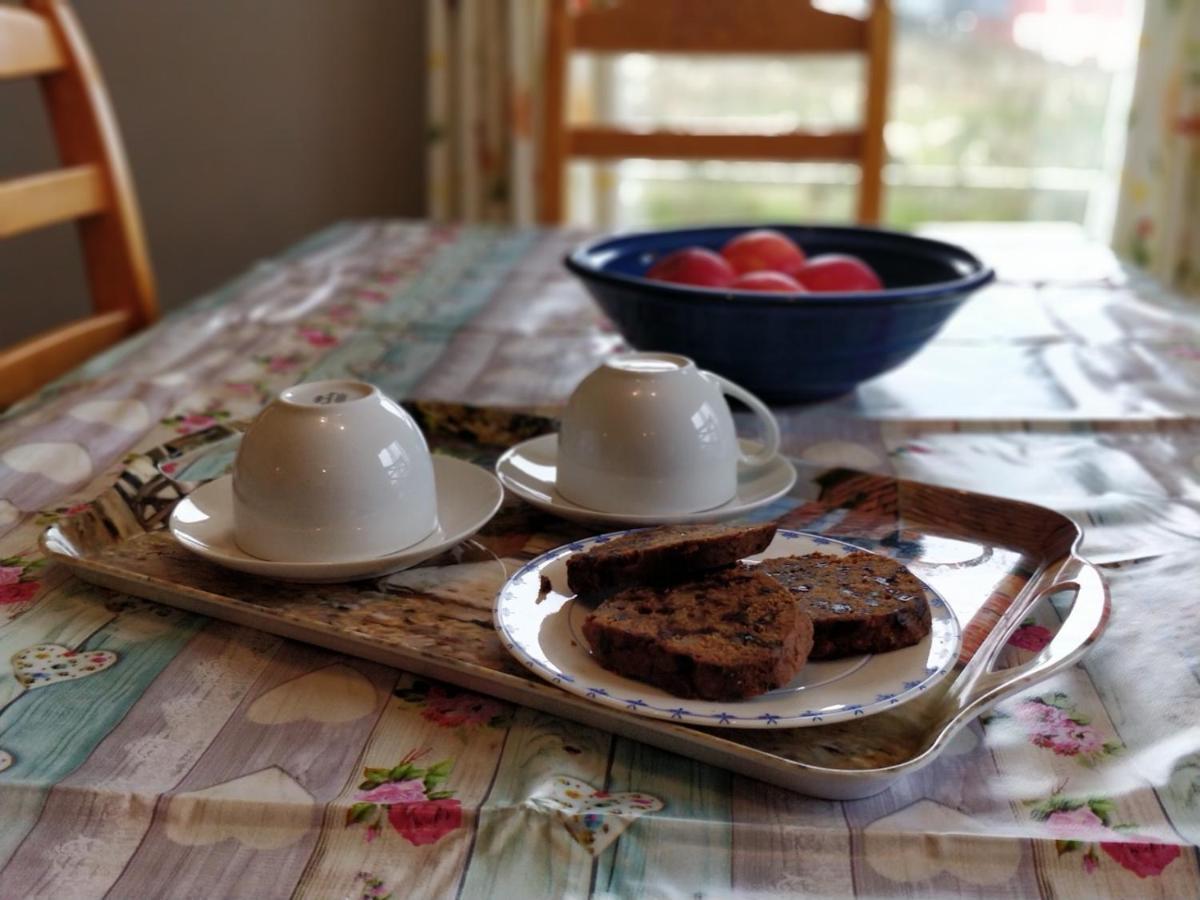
746	26
28	45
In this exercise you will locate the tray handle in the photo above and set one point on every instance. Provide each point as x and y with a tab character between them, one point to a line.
980	686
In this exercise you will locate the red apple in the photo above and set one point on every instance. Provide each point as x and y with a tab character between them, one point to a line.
767	281
693	265
763	249
837	272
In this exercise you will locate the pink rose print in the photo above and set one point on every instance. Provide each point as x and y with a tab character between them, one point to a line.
1036	713
373	886
428	822
1186	352
1031	637
1083	824
318	338
411	791
10	574
1053	724
277	364
187	423
372	294
1076	824
1063	743
1075	740
410	798
195	422
451	708
450	711
1143	859
342	312
19	592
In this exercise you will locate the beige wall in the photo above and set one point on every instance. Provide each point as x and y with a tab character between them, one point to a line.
248	124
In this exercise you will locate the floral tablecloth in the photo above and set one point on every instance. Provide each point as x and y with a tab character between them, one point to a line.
145	751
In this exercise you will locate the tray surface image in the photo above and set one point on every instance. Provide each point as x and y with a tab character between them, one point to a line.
992	561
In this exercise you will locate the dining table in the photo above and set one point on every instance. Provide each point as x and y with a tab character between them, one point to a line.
150	751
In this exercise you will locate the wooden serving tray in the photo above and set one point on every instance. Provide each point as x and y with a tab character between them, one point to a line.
993	560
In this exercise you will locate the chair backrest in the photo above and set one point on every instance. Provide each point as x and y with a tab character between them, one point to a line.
774	27
45	40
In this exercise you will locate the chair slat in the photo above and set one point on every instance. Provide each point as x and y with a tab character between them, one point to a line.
27	366
747	26
27	44
35	201
611	143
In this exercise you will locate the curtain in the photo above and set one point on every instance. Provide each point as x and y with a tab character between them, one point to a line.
1158	218
485	65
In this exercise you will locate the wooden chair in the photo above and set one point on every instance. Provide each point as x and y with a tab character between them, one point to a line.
775	27
45	40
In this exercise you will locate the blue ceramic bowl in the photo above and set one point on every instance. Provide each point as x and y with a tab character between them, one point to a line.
785	348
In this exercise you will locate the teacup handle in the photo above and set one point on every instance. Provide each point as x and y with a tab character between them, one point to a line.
765	416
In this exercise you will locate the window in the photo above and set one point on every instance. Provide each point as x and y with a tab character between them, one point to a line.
999	110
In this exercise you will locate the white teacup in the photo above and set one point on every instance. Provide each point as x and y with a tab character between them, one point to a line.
332	471
652	434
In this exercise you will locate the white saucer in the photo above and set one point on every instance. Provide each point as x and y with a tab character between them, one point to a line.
530	468
467	498
541	624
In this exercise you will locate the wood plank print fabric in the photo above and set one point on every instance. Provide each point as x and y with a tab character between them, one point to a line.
173	755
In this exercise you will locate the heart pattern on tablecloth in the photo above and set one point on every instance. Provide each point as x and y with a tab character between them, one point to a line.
593	818
264	810
128	415
948	839
63	462
336	693
45	664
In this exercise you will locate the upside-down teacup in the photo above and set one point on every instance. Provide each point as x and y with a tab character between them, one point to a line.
652	434
332	471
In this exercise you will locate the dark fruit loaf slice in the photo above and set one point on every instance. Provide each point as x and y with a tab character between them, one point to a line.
859	603
662	553
730	634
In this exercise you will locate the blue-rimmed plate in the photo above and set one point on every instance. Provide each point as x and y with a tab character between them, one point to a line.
542	627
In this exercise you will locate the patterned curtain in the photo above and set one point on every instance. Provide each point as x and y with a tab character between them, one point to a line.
485	64
1158	220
